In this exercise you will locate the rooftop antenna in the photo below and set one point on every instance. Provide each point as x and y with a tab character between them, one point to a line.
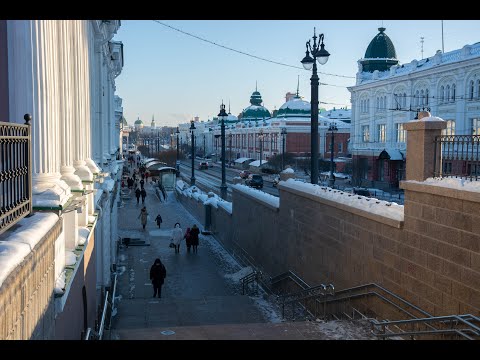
256	83
298	83
421	40
443	49
229	106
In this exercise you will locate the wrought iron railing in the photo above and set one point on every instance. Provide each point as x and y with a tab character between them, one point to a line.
15	172
457	156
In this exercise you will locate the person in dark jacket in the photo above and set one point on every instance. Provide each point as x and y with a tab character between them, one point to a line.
157	275
159	220
188	239
194	232
137	194
144	195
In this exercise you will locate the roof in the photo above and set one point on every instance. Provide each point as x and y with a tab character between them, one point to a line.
381	47
295	107
242	160
391	154
255	112
257	163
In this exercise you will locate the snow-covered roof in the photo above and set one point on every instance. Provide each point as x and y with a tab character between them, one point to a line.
18	242
242	160
337	113
288	171
257	163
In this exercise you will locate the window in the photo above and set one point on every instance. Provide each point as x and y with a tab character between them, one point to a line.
447	93
416	96
450	130
453	93
340	147
478	89
422	98
404	100
382	132
442	94
426	97
401	132
470	90
476	126
365	133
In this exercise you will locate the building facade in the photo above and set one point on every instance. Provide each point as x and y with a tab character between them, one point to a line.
388	94
62	73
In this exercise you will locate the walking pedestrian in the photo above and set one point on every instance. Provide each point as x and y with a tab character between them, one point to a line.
137	194
143	193
158	273
158	219
194	232
143	217
187	237
142	183
177	237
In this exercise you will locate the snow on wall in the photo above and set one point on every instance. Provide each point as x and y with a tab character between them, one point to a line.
83	233
199	195
21	241
260	195
379	207
452	183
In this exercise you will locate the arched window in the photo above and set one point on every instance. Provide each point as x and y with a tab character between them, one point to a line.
478	89
385	102
450	130
453	93
426	97
405	100
422	98
378	103
447	93
442	94
368	105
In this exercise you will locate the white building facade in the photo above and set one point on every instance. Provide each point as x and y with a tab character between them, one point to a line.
63	72
448	85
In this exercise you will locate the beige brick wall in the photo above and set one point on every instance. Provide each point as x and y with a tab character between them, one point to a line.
26	296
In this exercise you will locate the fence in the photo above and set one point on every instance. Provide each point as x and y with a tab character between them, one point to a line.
458	156
15	172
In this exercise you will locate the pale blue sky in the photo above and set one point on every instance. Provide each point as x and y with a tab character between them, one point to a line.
176	77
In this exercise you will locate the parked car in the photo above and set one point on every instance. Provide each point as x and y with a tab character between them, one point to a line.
203	165
255	181
244	174
363	192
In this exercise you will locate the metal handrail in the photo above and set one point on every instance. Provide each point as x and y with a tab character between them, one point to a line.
112	304
247	279
292	276
102	322
87	335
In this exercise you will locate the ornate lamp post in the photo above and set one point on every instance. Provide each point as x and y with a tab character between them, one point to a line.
284	133
332	128
321	55
222	116
177	162
192	128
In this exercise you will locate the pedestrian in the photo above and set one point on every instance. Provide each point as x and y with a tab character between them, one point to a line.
143	217
164	193
158	273
137	194
194	232
147	174
188	239
177	237
159	220
144	195
142	183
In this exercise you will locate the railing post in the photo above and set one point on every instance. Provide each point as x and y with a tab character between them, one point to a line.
28	118
421	135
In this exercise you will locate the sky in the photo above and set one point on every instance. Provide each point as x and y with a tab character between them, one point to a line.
175	77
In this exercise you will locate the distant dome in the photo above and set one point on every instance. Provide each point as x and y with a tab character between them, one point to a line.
295	107
231	118
255	111
380	54
138	123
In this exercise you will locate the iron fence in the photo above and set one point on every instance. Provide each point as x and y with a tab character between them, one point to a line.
457	156
15	172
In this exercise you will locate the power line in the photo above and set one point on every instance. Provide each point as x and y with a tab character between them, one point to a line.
247	54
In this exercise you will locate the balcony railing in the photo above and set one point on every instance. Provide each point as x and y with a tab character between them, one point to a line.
457	156
15	172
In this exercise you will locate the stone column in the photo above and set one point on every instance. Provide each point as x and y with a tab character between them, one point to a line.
421	147
34	88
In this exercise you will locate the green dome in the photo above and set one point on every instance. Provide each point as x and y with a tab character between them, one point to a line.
295	107
138	122
256	98
255	112
380	54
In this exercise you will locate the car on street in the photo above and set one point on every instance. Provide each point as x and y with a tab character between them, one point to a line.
244	174
203	165
255	181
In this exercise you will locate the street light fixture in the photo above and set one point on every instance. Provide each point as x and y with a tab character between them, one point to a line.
321	55
177	162
332	128
284	133
192	128
222	115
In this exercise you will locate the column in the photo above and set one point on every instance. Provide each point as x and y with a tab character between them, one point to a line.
33	88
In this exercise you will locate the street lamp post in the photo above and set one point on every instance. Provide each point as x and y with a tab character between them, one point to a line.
192	128
177	162
260	138
230	135
284	133
332	128
222	116
321	55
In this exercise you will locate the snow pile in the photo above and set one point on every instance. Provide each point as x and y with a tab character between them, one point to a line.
181	185
83	233
211	201
288	171
428	118
239	274
260	195
70	258
108	184
203	197
225	205
387	209
60	284
16	244
453	183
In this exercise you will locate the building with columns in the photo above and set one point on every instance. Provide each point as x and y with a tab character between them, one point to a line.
388	94
62	73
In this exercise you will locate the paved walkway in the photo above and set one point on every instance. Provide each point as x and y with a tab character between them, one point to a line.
201	297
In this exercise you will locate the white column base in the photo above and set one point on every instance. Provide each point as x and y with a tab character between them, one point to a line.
83	216
82	171
94	168
49	191
70	228
69	177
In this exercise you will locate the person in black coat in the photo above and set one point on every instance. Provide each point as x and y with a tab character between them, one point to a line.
137	194
144	195
194	232
157	275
